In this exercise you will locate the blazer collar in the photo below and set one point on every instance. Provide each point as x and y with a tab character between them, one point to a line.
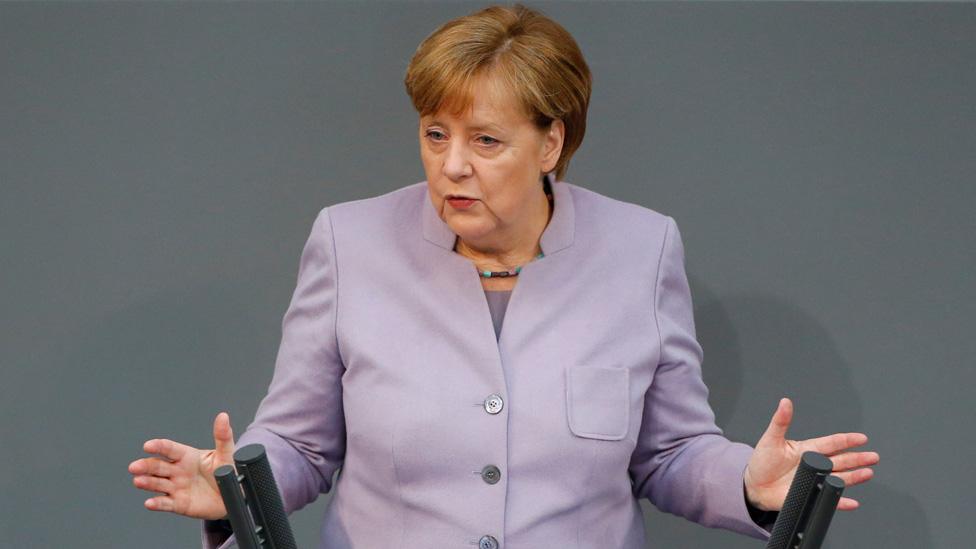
558	234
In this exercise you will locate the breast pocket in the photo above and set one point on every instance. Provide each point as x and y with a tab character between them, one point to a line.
598	401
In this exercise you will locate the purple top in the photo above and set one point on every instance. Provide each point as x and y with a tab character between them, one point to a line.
216	532
410	395
497	303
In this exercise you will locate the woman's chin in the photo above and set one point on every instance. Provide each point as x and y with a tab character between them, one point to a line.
470	230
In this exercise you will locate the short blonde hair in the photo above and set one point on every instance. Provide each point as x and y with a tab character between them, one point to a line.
531	55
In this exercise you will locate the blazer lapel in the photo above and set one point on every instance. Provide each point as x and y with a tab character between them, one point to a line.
534	278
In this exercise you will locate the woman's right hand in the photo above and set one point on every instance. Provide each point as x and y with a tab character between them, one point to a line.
184	476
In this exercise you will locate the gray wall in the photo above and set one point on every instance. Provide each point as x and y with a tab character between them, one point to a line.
161	164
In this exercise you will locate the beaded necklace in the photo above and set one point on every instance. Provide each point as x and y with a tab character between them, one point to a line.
511	272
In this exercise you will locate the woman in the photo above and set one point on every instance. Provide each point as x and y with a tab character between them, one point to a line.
495	357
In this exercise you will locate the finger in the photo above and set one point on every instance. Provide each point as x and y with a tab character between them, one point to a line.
856	476
169	449
223	437
153	484
847	504
780	422
152	466
160	503
137	467
838	442
851	460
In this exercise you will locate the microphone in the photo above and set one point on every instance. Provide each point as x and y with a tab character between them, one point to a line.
240	520
809	506
266	526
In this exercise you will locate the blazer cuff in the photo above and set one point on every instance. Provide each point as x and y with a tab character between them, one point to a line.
763	519
214	535
730	475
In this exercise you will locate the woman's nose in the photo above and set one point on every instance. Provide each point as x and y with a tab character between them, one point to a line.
456	163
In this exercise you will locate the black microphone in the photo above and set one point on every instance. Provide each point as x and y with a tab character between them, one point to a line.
240	520
823	512
809	505
263	497
266	526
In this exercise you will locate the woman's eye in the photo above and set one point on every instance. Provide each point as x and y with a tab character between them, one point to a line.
485	140
435	135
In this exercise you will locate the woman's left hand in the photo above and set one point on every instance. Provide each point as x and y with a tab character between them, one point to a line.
774	461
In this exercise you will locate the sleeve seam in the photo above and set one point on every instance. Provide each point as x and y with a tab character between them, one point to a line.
657	282
335	270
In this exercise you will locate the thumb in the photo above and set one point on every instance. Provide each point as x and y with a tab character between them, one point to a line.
780	422
223	438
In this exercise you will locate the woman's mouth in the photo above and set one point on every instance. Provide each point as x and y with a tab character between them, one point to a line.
461	203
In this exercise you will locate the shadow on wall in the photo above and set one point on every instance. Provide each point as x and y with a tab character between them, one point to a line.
758	348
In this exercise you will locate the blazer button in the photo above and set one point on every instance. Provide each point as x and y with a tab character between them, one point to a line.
487	542
491	474
494	404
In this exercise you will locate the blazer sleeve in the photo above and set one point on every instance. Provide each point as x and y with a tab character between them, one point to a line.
682	463
300	421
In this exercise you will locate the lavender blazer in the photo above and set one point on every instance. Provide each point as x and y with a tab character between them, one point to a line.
591	398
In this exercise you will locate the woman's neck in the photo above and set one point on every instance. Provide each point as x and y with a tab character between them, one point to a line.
503	256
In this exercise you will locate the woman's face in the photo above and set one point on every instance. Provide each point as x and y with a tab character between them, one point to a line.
495	156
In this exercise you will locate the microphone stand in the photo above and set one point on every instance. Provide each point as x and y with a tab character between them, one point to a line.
266	525
809	505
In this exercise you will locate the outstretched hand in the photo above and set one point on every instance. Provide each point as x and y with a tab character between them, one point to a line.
774	461
184	476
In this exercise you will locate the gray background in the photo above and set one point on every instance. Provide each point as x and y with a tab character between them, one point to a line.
161	165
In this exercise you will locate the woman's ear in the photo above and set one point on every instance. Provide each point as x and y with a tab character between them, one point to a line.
553	145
